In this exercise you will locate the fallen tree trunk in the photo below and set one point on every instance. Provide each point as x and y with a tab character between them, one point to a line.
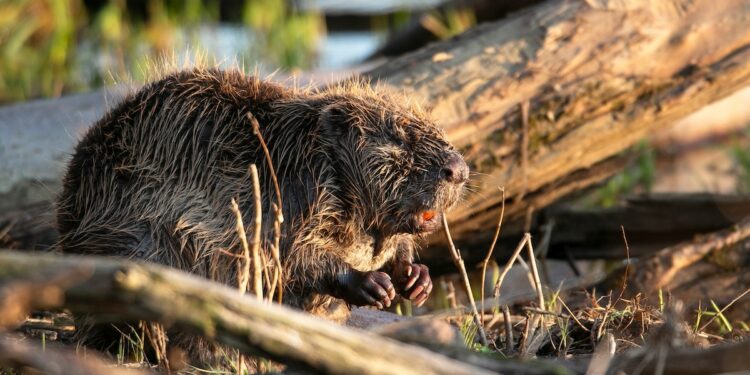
595	77
128	291
131	291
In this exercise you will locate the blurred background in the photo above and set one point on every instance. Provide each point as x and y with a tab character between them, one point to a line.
53	47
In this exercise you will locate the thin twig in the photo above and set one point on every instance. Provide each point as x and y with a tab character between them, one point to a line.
535	273
265	272
492	248
278	213
499	282
627	265
462	268
508	330
257	270
528	274
278	275
571	313
256	131
724	309
243	261
545	312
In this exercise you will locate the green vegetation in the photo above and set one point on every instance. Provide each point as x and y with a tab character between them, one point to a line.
51	47
287	38
638	178
449	23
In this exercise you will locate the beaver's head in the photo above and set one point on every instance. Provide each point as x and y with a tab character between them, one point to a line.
395	167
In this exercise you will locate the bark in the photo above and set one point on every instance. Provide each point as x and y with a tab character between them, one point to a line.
125	290
598	76
130	291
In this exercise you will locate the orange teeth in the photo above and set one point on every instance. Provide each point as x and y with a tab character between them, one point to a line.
428	215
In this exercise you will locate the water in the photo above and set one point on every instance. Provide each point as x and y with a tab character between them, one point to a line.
337	50
345	49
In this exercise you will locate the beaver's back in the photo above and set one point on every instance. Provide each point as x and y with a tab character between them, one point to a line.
167	159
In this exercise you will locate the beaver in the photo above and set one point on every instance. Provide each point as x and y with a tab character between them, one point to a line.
363	173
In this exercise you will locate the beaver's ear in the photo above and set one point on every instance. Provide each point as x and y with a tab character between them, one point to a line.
337	119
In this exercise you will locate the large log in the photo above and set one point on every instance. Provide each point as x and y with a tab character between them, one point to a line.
596	77
127	291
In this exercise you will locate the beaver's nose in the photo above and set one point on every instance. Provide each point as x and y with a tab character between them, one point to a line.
455	170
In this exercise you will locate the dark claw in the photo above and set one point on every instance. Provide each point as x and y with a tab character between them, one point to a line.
413	274
415	283
365	288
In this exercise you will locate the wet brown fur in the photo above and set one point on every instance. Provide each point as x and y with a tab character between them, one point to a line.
153	179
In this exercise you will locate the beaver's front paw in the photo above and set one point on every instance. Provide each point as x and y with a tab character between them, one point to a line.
414	282
366	288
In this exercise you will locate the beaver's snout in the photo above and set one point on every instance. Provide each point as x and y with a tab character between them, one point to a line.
455	170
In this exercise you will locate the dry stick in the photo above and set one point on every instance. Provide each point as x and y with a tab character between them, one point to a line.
499	282
724	309
508	330
265	272
538	318
526	268
243	261
279	215
535	274
257	271
462	268
157	336
492	248
256	131
571	313
627	265
277	279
